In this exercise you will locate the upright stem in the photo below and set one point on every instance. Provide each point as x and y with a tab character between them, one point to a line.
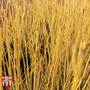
1	58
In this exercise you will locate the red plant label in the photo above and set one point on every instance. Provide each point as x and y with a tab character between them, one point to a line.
7	81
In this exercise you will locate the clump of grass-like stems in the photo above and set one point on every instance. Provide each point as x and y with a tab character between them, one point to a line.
45	44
